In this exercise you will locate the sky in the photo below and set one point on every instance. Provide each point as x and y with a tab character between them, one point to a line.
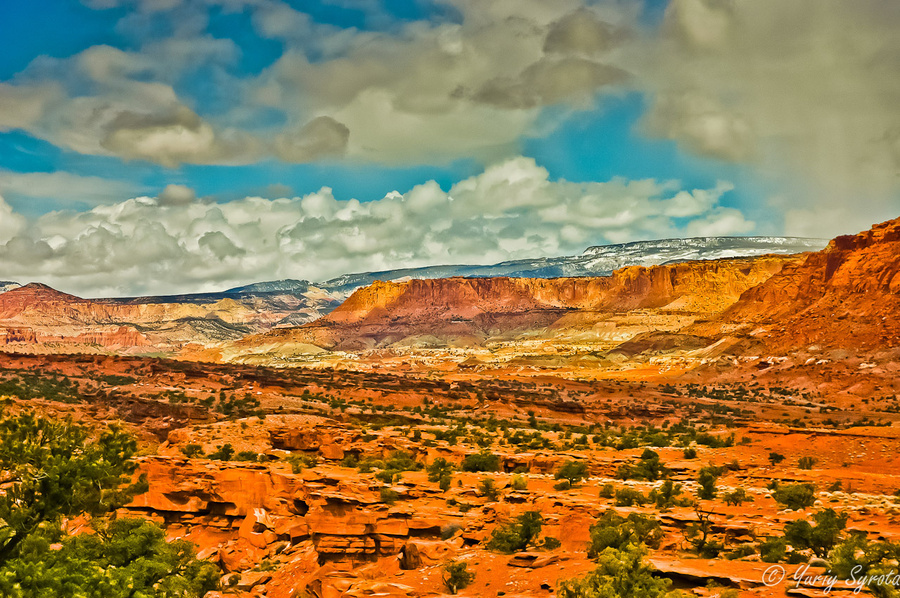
170	146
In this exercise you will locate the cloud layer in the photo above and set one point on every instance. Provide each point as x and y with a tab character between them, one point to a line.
175	243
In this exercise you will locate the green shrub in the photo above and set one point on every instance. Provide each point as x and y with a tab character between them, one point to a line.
519	482
690	453
614	531
388	496
516	535
666	496
456	577
628	497
562	485
795	496
819	538
707	479
247	456
192	450
481	461
488	489
773	549
573	471
737	497
439	468
619	574
775	458
223	453
807	462
647	468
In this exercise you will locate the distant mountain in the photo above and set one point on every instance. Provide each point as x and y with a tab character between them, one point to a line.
288	285
600	260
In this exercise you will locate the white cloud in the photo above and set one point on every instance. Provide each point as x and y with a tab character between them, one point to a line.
511	210
64	187
805	91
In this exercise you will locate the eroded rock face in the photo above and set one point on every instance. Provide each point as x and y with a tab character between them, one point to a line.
36	315
476	308
847	295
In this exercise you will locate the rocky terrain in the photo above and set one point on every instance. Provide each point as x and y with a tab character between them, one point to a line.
503	436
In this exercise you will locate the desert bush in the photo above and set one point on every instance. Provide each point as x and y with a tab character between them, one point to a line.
573	471
481	461
192	450
737	497
795	496
821	537
619	574
456	576
516	535
647	468
614	531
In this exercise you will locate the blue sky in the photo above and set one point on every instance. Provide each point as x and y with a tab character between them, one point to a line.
609	109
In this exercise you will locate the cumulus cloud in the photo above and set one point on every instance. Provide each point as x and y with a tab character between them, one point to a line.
176	195
511	210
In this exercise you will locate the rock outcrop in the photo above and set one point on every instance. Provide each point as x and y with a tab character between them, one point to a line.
845	296
470	310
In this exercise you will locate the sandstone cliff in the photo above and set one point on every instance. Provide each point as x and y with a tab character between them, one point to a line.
847	296
470	310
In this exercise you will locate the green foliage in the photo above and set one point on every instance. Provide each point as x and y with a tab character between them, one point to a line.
775	458
857	557
300	461
57	472
28	385
125	558
456	577
666	496
773	549
737	497
628	497
192	450
439	468
562	485
519	483
572	471
807	462
795	496
481	461
819	538
707	479
647	468
619	574
550	543
247	456
614	531
516	535
699	535
607	491
388	496
690	453
223	453
488	489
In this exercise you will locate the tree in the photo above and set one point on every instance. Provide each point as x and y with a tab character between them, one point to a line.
619	574
819	538
56	470
775	458
56	473
707	480
439	468
571	471
737	497
515	536
649	467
